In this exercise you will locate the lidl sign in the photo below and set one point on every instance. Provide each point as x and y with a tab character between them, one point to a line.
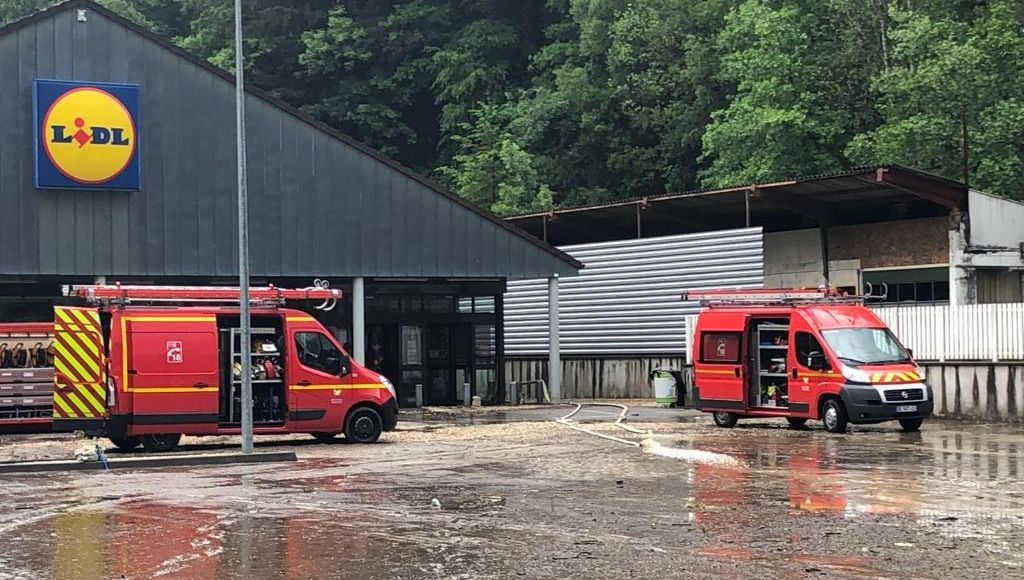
86	135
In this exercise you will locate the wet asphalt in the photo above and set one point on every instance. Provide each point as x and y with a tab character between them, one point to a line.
536	500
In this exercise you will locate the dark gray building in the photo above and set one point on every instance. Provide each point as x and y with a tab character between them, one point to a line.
429	267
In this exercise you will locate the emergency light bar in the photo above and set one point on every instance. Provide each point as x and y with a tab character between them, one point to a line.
771	297
117	294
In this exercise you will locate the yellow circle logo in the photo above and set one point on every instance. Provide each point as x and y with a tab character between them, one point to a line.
88	134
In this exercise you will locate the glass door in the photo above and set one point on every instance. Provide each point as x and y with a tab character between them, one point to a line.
440	368
410	345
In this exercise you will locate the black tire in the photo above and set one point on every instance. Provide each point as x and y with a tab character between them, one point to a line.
324	437
796	422
160	443
363	425
833	415
724	419
911	425
126	443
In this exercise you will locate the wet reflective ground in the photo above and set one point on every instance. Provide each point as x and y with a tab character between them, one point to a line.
537	500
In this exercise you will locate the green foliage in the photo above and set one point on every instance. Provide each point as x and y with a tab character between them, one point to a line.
945	67
521	106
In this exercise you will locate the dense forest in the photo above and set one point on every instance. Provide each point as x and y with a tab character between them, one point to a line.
522	105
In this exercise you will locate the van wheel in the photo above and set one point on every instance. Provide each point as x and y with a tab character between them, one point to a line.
324	437
363	425
160	443
126	443
724	419
796	422
833	415
911	425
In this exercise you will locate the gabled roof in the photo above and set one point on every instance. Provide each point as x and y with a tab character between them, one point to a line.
294	112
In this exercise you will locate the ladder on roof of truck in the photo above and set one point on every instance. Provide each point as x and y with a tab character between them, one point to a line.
266	296
771	297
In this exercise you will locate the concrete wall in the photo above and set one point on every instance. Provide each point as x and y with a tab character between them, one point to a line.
995	221
794	258
978	391
596	378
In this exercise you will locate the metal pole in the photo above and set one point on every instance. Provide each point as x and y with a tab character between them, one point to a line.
965	169
554	352
243	239
823	238
358	321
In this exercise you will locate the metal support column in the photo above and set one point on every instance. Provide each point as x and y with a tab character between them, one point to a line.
746	203
554	354
358	321
243	238
823	236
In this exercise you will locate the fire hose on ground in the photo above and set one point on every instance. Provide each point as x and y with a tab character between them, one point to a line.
647	444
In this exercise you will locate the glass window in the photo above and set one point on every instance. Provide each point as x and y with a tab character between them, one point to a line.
865	345
438	304
484	304
317	352
412	304
720	347
465	305
806	345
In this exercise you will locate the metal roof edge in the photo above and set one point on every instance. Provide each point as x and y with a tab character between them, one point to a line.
294	112
850	172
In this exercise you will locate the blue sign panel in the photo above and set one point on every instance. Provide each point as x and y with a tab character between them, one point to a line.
87	135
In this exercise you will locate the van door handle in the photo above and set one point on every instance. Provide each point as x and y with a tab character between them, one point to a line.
794	373
737	370
200	385
303	383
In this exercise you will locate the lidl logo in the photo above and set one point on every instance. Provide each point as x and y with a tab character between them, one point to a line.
87	135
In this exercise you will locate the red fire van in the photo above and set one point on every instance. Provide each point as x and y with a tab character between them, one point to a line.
802	354
147	374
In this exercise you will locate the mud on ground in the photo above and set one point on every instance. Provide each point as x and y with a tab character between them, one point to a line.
537	500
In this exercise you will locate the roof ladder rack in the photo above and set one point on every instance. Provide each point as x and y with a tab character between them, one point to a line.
771	297
272	296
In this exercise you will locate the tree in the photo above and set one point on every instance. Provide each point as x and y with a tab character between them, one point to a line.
802	71
491	169
944	67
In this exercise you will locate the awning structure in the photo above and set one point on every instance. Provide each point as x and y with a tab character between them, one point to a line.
867	194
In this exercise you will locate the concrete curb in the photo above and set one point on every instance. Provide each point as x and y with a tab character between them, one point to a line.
142	462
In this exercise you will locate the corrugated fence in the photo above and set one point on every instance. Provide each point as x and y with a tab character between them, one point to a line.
626	301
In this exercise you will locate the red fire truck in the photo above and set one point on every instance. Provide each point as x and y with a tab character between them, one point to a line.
147	364
802	354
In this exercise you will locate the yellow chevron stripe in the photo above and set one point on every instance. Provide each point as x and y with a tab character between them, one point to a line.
58	363
81	374
85	320
99	389
58	400
85	393
85	360
83	409
888	377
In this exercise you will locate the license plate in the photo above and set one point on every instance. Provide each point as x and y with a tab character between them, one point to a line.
906	408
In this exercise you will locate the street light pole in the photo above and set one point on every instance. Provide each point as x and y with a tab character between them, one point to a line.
243	239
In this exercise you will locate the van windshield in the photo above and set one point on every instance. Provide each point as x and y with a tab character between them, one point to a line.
865	345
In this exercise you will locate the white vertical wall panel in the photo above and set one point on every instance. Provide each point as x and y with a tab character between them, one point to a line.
627	298
964	333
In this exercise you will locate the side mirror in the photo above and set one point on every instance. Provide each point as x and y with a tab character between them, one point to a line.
816	361
345	365
910	353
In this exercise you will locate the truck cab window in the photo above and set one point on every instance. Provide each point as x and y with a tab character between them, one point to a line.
806	346
317	352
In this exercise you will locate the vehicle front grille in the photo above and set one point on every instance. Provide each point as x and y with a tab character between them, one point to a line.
896	395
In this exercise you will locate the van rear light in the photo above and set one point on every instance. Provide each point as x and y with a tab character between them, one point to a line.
111	392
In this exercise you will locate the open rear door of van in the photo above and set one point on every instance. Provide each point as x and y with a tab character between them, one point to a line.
79	377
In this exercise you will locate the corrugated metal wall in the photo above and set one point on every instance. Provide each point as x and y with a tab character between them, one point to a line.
626	299
317	205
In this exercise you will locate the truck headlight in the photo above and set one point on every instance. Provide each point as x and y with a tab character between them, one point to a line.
856	375
387	385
